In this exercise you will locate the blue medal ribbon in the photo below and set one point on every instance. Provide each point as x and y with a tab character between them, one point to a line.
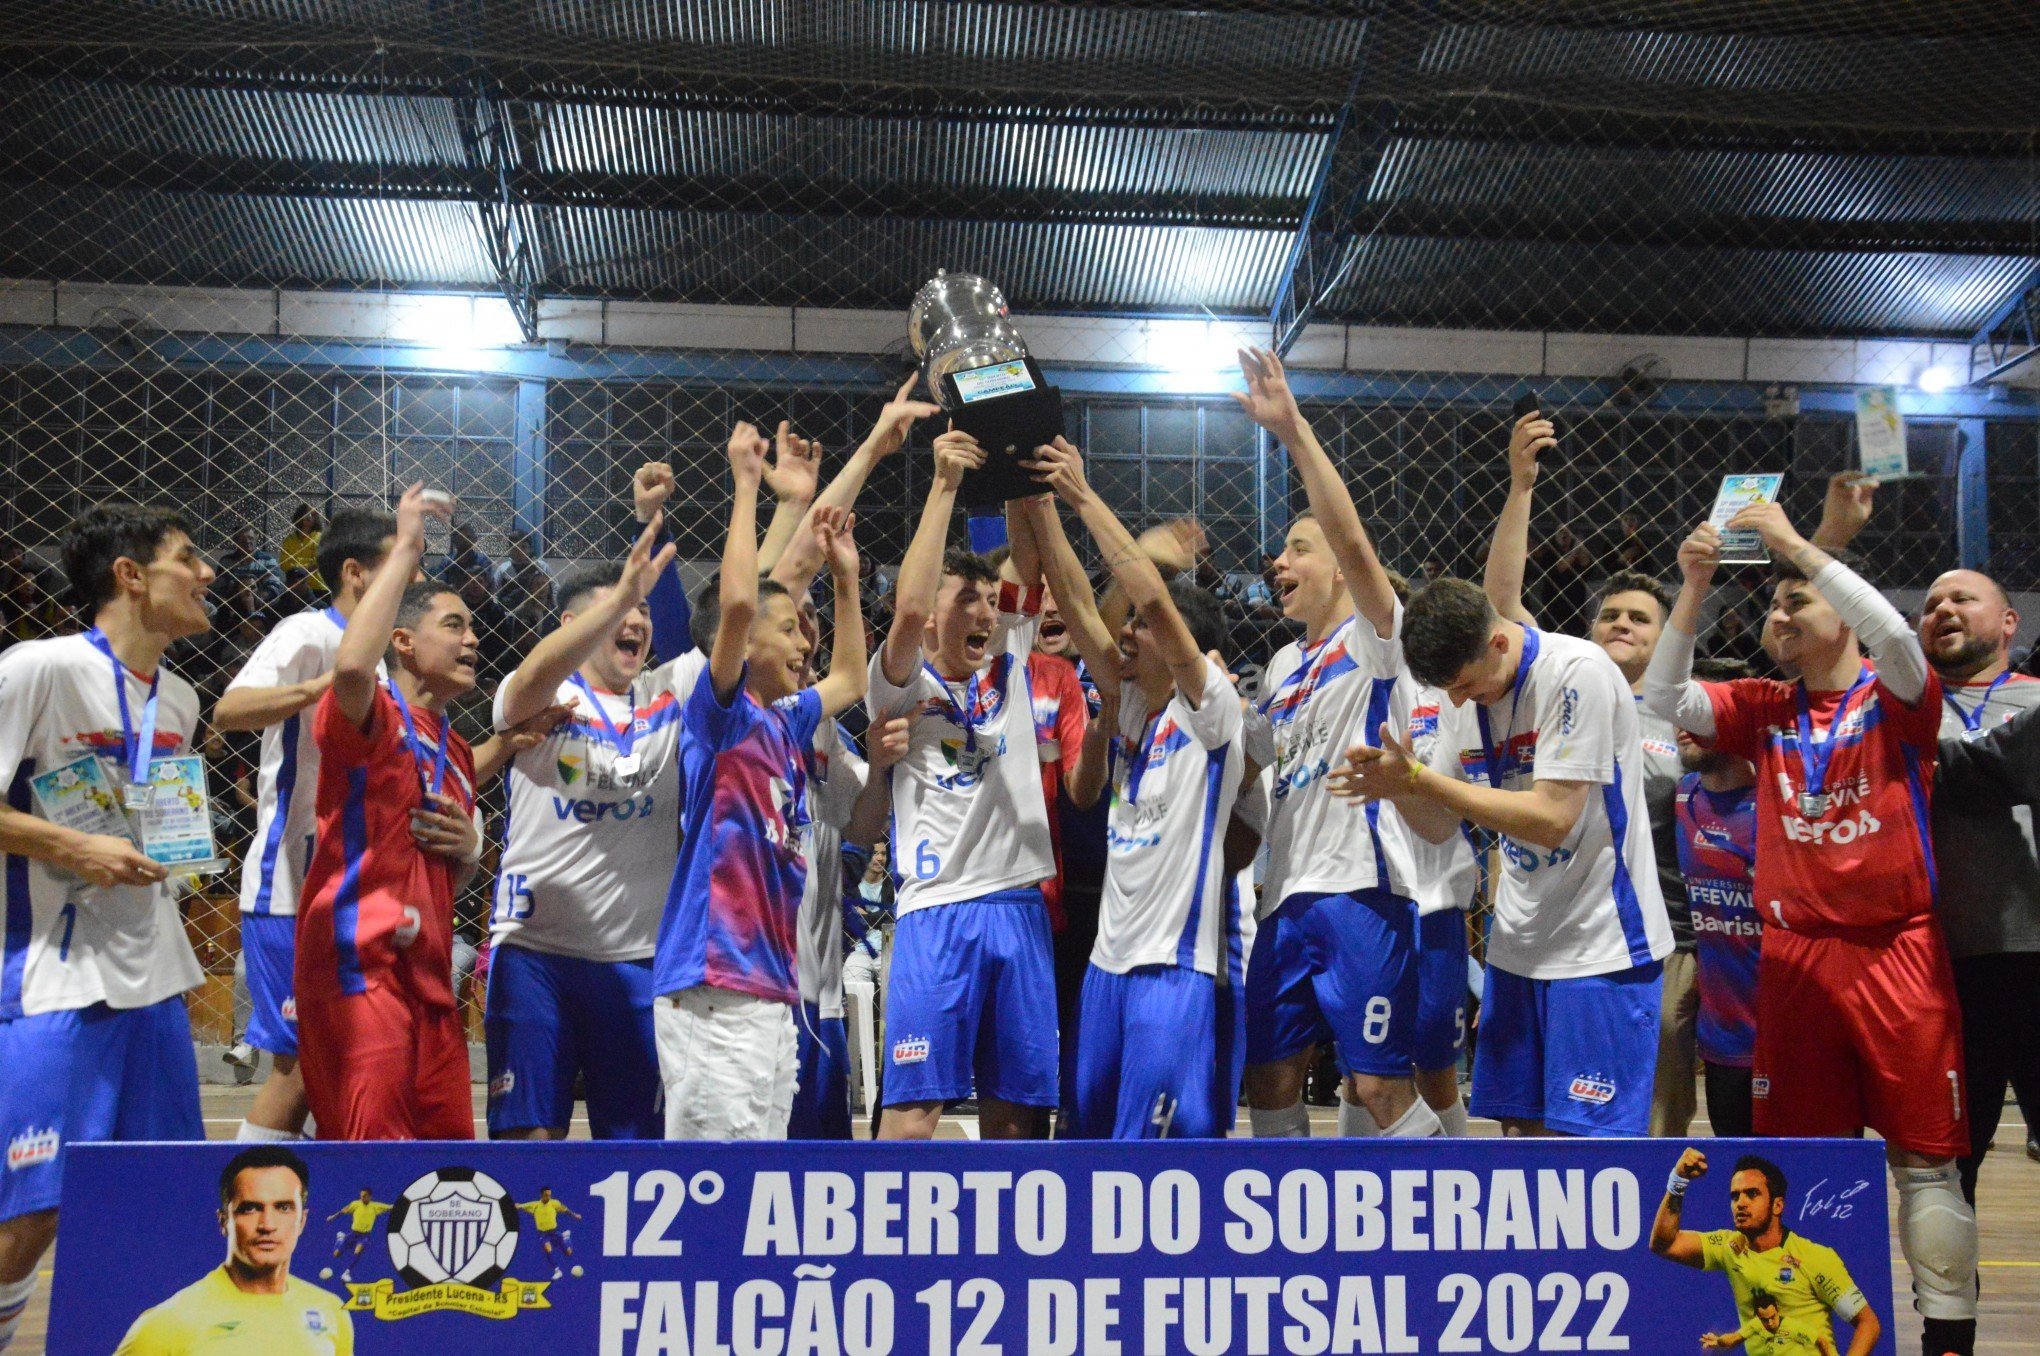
1814	755
1972	721
416	746
136	751
626	738
966	713
332	614
1496	773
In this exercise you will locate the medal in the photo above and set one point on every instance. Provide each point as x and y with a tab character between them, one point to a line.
137	750
1815	753
964	714
1496	773
1972	721
1812	806
625	764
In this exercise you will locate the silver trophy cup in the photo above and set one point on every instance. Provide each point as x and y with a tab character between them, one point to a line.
976	364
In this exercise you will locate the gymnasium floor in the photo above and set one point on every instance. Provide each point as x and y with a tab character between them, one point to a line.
2011	1230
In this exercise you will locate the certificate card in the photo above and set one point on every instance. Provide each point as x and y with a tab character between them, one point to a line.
80	796
1738	493
1880	432
176	825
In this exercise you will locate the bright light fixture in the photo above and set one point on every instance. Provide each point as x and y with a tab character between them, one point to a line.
1935	380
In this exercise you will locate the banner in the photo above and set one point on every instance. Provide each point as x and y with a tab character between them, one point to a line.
973	1249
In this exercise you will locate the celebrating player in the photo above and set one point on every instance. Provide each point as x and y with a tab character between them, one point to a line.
1158	1042
381	1043
1805	1280
289	671
1336	955
1856	1013
724	965
593	834
251	1299
1546	725
94	1040
972	995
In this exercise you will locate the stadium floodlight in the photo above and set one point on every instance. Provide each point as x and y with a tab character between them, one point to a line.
1935	380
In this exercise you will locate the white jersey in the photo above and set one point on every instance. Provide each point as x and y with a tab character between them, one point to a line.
1322	699
588	849
968	815
1590	906
1172	795
836	778
297	649
67	944
1447	872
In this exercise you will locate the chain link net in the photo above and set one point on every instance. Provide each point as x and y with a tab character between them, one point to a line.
273	257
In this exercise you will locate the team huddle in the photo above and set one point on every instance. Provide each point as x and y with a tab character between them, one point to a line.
666	921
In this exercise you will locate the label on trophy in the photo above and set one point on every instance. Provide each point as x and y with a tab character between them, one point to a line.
989	383
175	826
1737	493
81	796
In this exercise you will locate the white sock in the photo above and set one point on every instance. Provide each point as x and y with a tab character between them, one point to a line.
1419	1122
13	1304
1291	1122
1453	1118
248	1130
1937	1234
1355	1120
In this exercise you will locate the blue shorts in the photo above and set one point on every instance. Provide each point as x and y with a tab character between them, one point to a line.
972	996
1441	989
1341	968
90	1074
821	1099
1580	1055
553	1017
1160	1051
269	957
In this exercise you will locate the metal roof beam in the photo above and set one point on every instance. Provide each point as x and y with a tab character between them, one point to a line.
2011	337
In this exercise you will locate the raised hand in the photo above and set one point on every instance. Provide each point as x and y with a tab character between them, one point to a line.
1533	434
898	417
646	562
955	453
1847	510
887	744
796	470
747	453
1692	1165
1268	400
834	528
412	511
1700	555
1060	467
650	488
1769	522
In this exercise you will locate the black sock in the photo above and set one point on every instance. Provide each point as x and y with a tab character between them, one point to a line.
1941	1336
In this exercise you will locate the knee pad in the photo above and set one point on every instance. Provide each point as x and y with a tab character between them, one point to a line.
1937	1234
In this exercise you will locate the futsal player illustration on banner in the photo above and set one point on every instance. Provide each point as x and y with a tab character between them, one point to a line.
362	1213
1807	1284
251	1303
545	1215
1766	1331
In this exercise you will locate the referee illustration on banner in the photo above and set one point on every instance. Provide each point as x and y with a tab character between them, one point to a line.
1788	1289
251	1302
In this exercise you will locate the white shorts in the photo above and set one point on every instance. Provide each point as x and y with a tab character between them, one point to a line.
728	1061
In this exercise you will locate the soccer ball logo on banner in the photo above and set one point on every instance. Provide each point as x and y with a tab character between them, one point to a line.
453	1224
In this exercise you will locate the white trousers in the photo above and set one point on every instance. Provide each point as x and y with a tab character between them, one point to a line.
728	1062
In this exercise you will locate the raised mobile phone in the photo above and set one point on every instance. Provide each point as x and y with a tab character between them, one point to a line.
1532	403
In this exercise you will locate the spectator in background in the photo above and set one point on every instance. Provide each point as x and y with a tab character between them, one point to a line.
521	578
260	570
301	546
494	627
1562	562
1734	640
1625	548
465	560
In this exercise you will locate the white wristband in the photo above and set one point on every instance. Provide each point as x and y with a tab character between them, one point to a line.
1677	1186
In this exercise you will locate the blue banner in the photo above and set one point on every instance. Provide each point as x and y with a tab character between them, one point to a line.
969	1249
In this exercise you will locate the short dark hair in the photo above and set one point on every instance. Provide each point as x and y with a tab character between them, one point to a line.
417	600
969	565
576	584
1783	571
1762	1299
1445	626
354	534
103	534
1635	581
263	1156
1774	1176
1201	612
701	627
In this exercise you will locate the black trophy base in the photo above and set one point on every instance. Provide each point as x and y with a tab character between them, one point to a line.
1009	428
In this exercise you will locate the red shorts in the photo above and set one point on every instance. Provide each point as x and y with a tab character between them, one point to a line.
382	1065
1860	1031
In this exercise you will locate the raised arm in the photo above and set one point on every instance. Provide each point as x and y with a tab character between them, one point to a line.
795	471
921	572
1510	549
802	558
1847	509
1061	466
1094	761
738	587
367	637
1270	403
258	708
849	667
1667	1239
1880	628
1072	588
1669	691
672	615
529	690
